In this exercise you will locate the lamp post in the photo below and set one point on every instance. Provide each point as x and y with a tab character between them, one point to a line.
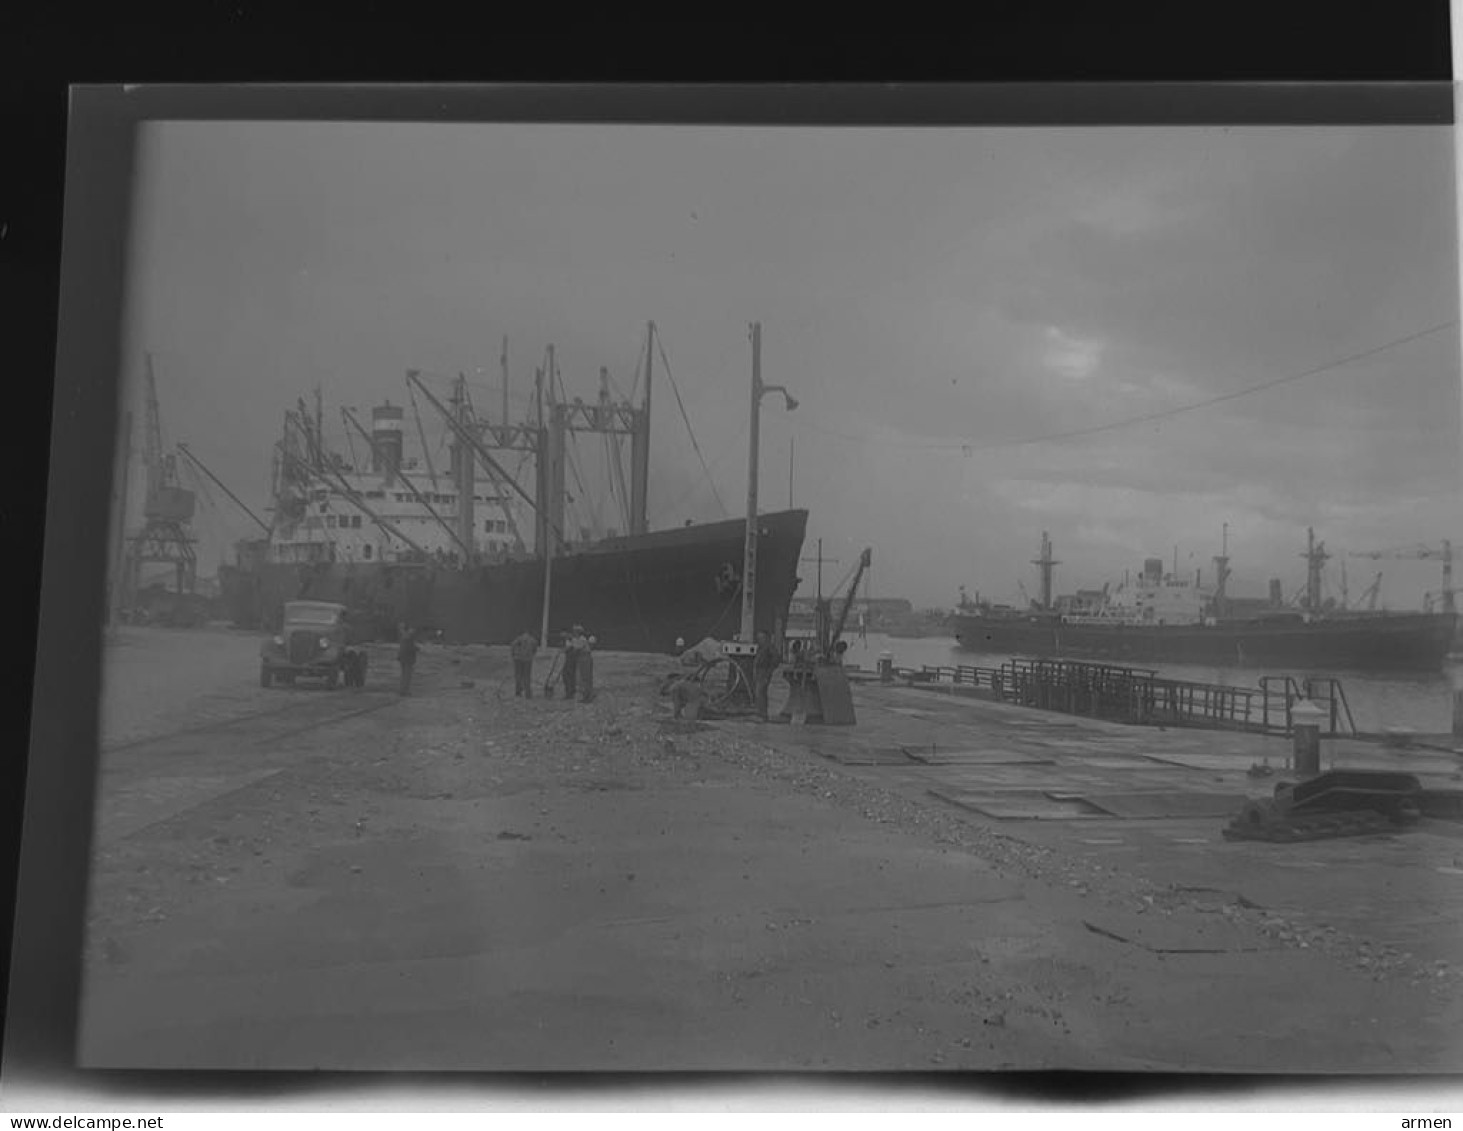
749	560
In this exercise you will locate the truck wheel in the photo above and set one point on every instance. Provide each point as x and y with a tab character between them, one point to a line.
264	680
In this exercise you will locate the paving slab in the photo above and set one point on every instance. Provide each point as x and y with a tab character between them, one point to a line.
1166	803
993	756
1020	805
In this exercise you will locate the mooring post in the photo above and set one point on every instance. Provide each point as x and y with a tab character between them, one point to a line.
1306	721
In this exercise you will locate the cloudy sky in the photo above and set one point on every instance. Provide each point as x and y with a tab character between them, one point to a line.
934	298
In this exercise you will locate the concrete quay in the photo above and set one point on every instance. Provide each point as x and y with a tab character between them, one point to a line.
292	878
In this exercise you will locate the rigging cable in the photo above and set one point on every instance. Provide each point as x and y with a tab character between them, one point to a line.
676	390
421	432
639	369
735	446
349	443
967	447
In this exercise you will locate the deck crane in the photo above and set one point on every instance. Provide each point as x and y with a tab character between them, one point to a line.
1369	594
1443	553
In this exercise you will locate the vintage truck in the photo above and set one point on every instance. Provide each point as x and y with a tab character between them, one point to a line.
316	640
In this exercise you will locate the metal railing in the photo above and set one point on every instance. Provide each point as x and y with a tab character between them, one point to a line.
1281	693
1140	696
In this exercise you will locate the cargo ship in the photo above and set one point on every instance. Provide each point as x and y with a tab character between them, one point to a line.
398	540
1165	618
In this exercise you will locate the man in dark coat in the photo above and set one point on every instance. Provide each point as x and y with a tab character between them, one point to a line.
570	673
585	672
406	656
523	650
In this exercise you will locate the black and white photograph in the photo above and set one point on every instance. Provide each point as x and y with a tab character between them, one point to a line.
644	597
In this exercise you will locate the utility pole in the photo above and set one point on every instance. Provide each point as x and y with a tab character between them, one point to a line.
749	556
749	559
543	628
466	477
790	442
541	467
640	447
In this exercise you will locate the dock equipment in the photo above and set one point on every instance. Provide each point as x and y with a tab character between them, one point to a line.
1334	804
818	688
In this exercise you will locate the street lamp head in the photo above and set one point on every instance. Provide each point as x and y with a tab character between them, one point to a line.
792	401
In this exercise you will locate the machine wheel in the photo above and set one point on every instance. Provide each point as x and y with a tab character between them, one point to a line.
264	680
723	691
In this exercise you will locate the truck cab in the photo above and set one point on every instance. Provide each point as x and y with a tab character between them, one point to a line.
314	642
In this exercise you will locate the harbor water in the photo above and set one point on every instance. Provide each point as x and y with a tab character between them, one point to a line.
1421	702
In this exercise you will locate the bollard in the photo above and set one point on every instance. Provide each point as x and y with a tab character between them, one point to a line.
1306	720
886	670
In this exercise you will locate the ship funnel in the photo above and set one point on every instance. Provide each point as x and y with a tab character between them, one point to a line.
387	423
1153	569
1275	598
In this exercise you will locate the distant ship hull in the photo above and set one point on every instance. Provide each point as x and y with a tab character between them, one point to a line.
1390	642
636	594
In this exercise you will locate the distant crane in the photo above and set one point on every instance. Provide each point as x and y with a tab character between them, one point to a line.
1443	553
167	509
1369	594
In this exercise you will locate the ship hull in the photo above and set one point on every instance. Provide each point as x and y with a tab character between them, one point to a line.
1394	642
636	594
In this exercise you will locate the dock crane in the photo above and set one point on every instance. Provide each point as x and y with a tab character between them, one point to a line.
1443	553
818	690
1369	594
165	536
828	644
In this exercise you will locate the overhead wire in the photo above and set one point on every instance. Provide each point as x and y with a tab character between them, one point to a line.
967	447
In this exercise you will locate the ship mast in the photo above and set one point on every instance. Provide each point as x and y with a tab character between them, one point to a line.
1315	557
1221	575
1048	566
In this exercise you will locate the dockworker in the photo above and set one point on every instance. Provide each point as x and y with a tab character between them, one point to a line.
686	696
764	667
355	671
523	650
586	669
570	662
406	656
